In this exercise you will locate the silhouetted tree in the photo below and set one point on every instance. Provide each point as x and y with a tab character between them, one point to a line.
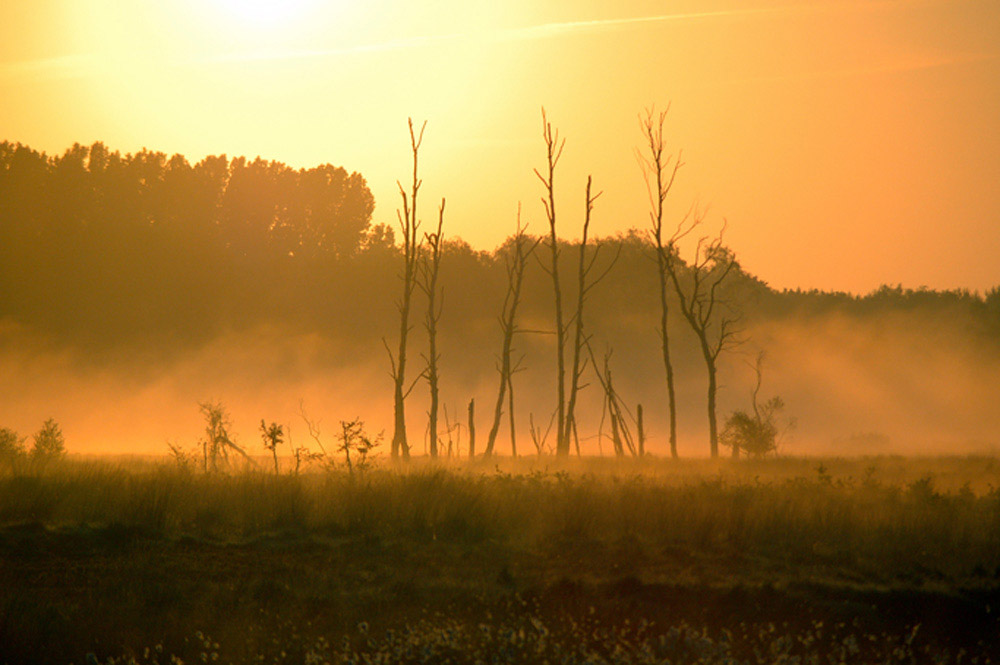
48	443
659	171
409	225
353	437
584	284
218	442
273	435
709	314
515	260
553	151
430	265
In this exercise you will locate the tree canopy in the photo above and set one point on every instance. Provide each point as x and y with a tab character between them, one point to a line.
106	250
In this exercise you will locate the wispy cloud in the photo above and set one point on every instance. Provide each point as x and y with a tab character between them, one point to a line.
560	29
575	27
901	65
524	33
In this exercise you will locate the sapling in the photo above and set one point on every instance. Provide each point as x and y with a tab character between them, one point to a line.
353	437
272	435
49	443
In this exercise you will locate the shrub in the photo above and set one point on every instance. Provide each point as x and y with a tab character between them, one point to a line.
754	434
49	443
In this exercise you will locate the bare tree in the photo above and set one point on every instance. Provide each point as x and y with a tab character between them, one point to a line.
411	248
537	436
585	283
710	315
430	264
659	171
554	148
515	262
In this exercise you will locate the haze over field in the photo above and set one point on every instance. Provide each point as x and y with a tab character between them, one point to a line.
894	372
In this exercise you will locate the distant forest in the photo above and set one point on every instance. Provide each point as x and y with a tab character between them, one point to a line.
269	279
103	250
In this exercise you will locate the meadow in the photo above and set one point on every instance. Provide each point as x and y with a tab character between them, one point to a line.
881	559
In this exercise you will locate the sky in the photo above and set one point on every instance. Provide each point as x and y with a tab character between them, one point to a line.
846	144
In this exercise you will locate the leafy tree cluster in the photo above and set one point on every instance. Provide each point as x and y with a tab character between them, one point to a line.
47	444
95	241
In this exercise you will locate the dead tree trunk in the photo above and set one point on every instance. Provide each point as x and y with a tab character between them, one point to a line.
510	413
408	225
522	248
713	427
472	428
554	148
640	430
429	268
660	171
585	283
616	439
704	308
565	408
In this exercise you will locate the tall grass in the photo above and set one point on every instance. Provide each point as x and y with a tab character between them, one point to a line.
875	517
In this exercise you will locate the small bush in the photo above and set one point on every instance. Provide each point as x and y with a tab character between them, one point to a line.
755	435
49	443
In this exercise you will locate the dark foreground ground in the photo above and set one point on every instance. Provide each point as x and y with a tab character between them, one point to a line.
455	591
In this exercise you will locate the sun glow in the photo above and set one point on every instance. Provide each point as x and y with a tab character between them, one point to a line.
265	13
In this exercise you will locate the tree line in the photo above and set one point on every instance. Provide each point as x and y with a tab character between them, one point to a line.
108	251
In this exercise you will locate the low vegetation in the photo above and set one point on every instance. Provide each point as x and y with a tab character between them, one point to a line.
776	560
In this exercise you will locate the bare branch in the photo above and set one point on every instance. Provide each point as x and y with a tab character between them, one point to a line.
392	359
311	425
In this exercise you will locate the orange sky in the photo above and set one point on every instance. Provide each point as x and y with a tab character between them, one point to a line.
849	143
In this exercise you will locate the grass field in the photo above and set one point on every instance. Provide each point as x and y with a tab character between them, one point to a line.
784	560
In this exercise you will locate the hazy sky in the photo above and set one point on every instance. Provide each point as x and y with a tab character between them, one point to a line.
847	143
